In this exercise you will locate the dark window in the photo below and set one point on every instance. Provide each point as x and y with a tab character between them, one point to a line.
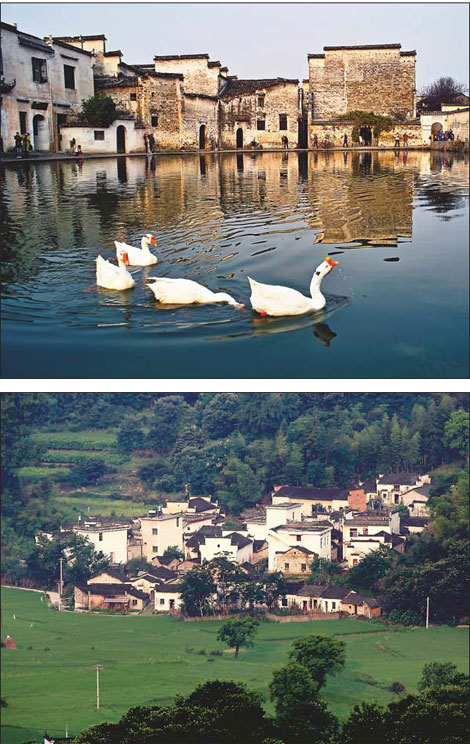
298	538
286	566
100	536
23	129
39	70
134	601
353	533
133	96
284	601
69	77
154	120
154	530
98	135
261	124
162	600
155	549
261	101
303	566
282	121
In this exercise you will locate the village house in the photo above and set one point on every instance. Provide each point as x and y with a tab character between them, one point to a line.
357	604
358	547
377	78
311	598
159	532
392	486
233	545
109	596
416	499
167	598
314	537
43	83
265	111
109	535
294	561
330	499
194	541
413	525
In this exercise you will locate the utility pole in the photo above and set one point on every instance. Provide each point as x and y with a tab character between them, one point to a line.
61	583
427	612
98	668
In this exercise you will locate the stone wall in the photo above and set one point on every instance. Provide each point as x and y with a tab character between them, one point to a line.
242	112
198	76
333	131
375	79
199	111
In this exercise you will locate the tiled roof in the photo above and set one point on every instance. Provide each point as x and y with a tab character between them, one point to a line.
335	592
308	590
399	479
200	504
181	56
240	540
115	53
259	545
355	598
296	547
237	88
414	521
126	81
320	494
168	589
362	46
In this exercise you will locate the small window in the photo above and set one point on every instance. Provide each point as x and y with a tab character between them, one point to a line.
284	602
177	521
365	530
98	135
298	538
39	70
154	123
261	125
261	100
353	533
134	602
155	549
282	121
133	96
100	536
303	566
333	605
162	600
154	530
23	128
69	77
286	566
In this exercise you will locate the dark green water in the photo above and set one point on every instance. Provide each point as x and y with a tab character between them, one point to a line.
216	219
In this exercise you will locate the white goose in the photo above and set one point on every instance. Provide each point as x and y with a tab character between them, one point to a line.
270	299
186	292
114	277
138	256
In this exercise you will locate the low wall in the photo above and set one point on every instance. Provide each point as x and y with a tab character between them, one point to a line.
305	618
86	137
335	131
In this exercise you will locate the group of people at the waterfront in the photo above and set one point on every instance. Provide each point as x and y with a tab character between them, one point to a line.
23	145
442	136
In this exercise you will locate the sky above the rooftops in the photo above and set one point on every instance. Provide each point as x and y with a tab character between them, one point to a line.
260	40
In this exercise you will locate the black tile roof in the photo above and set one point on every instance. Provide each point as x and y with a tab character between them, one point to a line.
355	598
414	521
240	540
324	494
296	547
335	592
181	56
236	88
399	479
200	504
168	588
362	46
259	545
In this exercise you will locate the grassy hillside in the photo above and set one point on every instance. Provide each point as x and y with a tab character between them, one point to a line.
50	681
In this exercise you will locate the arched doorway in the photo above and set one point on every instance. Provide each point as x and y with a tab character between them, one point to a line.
40	133
239	138
202	137
121	139
366	134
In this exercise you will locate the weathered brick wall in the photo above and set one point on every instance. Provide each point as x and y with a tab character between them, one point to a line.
334	132
296	559
161	97
198	77
378	80
244	112
199	111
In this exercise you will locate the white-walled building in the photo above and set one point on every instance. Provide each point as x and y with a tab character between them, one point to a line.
315	537
160	532
167	598
357	525
43	82
392	486
233	545
110	539
330	499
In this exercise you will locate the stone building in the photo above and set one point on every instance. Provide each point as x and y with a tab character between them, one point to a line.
260	110
43	83
377	78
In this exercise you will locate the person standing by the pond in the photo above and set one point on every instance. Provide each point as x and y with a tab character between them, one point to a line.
285	143
79	153
405	140
345	140
397	140
27	144
146	142
151	141
315	140
18	145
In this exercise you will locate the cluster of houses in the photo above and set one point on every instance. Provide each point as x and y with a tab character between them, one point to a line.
290	528
190	102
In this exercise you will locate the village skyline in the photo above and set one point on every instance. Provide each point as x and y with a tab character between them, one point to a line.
280	44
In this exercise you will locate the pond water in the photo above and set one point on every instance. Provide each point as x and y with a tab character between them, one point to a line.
397	303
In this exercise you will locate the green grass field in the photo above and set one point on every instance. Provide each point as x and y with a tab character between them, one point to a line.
50	681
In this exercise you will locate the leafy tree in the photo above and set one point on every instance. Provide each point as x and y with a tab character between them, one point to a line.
322	571
237	632
438	674
219	416
197	590
456	432
173	551
87	471
443	90
320	654
302	716
364	577
99	111
83	561
138	564
131	435
366	723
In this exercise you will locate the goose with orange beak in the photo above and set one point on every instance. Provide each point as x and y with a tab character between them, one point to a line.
114	277
138	256
275	301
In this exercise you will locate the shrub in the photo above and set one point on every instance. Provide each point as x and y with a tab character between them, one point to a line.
99	111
